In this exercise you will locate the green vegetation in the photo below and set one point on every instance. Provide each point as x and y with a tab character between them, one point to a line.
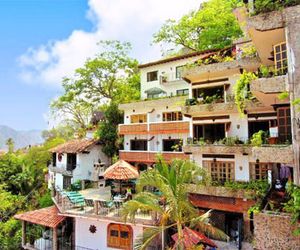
293	205
260	187
172	206
264	6
258	138
23	187
200	29
242	92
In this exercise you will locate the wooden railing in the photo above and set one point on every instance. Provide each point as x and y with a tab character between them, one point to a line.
145	156
172	127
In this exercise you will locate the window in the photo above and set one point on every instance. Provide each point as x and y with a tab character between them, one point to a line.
179	70
119	236
67	180
258	171
138	145
141	118
210	132
255	126
152	96
71	162
182	92
54	159
152	76
284	124
280	57
210	94
172	145
220	171
172	116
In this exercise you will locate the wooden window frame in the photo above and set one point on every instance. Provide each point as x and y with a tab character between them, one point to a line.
218	171
140	117
150	75
174	116
287	135
118	242
282	60
262	173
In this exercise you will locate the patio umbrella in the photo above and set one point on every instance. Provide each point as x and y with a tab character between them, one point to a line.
121	170
192	238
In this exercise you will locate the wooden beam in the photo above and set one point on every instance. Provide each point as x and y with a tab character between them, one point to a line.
54	239
23	233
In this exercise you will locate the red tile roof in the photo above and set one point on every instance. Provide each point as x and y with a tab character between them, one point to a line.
47	217
74	146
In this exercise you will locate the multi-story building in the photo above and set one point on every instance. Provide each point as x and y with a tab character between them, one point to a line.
188	111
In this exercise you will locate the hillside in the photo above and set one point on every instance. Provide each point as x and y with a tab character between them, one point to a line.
21	138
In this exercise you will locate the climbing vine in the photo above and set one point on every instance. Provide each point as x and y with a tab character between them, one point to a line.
242	92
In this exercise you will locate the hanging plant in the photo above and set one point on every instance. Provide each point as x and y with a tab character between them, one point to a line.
242	92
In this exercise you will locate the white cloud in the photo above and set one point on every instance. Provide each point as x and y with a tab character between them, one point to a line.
127	20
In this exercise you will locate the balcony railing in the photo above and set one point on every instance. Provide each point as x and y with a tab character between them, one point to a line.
60	170
151	157
99	208
170	127
167	78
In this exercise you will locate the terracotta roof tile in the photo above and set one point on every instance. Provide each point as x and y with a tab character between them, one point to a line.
74	146
121	170
47	217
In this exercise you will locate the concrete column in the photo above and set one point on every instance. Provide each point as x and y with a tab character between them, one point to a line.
293	46
54	239
23	233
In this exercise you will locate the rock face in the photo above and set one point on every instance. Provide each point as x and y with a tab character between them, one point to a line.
274	232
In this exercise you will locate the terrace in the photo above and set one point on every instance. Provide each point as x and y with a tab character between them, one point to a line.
96	203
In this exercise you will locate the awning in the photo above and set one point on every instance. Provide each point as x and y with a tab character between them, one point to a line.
47	217
154	91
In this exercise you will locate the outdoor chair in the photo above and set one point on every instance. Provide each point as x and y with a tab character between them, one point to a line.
105	207
118	206
89	203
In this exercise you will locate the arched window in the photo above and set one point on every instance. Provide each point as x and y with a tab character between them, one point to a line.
119	236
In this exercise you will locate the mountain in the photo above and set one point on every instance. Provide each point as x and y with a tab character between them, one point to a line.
21	138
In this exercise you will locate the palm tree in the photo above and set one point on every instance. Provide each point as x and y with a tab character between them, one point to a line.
172	180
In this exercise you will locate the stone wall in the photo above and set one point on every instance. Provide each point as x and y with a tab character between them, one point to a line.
274	232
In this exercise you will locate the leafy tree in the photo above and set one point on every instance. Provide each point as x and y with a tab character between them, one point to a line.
10	144
75	110
111	75
177	211
65	132
108	130
213	26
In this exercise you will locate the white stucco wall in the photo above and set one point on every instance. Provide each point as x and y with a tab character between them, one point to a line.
238	127
98	240
86	163
169	70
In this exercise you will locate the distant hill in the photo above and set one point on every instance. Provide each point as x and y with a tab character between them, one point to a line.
21	138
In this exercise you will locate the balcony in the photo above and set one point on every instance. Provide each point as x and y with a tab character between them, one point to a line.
265	153
96	203
174	127
150	157
210	109
60	170
217	149
170	78
266	90
216	70
133	129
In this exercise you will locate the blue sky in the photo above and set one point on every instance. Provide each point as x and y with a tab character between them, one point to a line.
44	40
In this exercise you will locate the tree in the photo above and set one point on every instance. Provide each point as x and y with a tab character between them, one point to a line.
75	111
10	145
172	181
213	26
65	132
111	75
108	130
